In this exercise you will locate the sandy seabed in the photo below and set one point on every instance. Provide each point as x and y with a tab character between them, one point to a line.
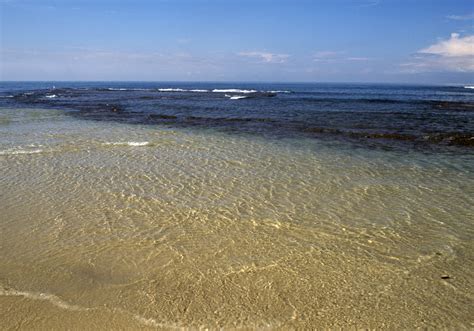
112	226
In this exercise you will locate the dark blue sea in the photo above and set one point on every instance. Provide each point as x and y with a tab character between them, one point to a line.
433	118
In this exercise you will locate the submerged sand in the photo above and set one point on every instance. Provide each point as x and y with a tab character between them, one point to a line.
110	226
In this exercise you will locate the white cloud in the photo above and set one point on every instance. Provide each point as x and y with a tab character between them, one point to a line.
467	17
358	59
453	54
370	3
326	56
336	56
96	64
266	57
183	41
438	64
453	47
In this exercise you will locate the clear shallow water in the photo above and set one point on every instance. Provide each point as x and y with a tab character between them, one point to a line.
109	223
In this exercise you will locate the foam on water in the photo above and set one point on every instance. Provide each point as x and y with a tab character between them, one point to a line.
233	90
236	97
230	90
129	143
62	304
53	299
51	96
197	90
19	151
127	89
171	90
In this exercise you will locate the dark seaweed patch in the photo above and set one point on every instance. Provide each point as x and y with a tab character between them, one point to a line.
453	105
162	117
380	119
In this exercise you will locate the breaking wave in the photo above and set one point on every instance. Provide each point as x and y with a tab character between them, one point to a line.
127	89
195	90
14	151
129	143
233	90
172	90
236	97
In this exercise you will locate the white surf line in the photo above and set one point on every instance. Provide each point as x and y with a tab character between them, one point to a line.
235	97
58	302
233	90
129	143
51	298
138	143
172	90
20	151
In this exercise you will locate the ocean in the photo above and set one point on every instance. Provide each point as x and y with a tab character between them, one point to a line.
142	205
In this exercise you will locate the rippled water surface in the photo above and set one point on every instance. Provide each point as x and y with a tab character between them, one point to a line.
112	218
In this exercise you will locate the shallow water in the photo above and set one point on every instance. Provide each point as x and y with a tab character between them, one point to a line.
116	225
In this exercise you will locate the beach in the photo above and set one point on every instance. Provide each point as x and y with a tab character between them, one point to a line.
130	207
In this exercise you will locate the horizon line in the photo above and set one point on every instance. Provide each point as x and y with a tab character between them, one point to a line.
238	81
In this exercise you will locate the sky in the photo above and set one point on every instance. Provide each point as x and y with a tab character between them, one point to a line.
392	41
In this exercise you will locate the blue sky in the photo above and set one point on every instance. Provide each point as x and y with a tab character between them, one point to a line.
419	41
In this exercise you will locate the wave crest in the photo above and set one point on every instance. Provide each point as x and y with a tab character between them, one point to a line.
236	97
129	143
14	151
233	90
